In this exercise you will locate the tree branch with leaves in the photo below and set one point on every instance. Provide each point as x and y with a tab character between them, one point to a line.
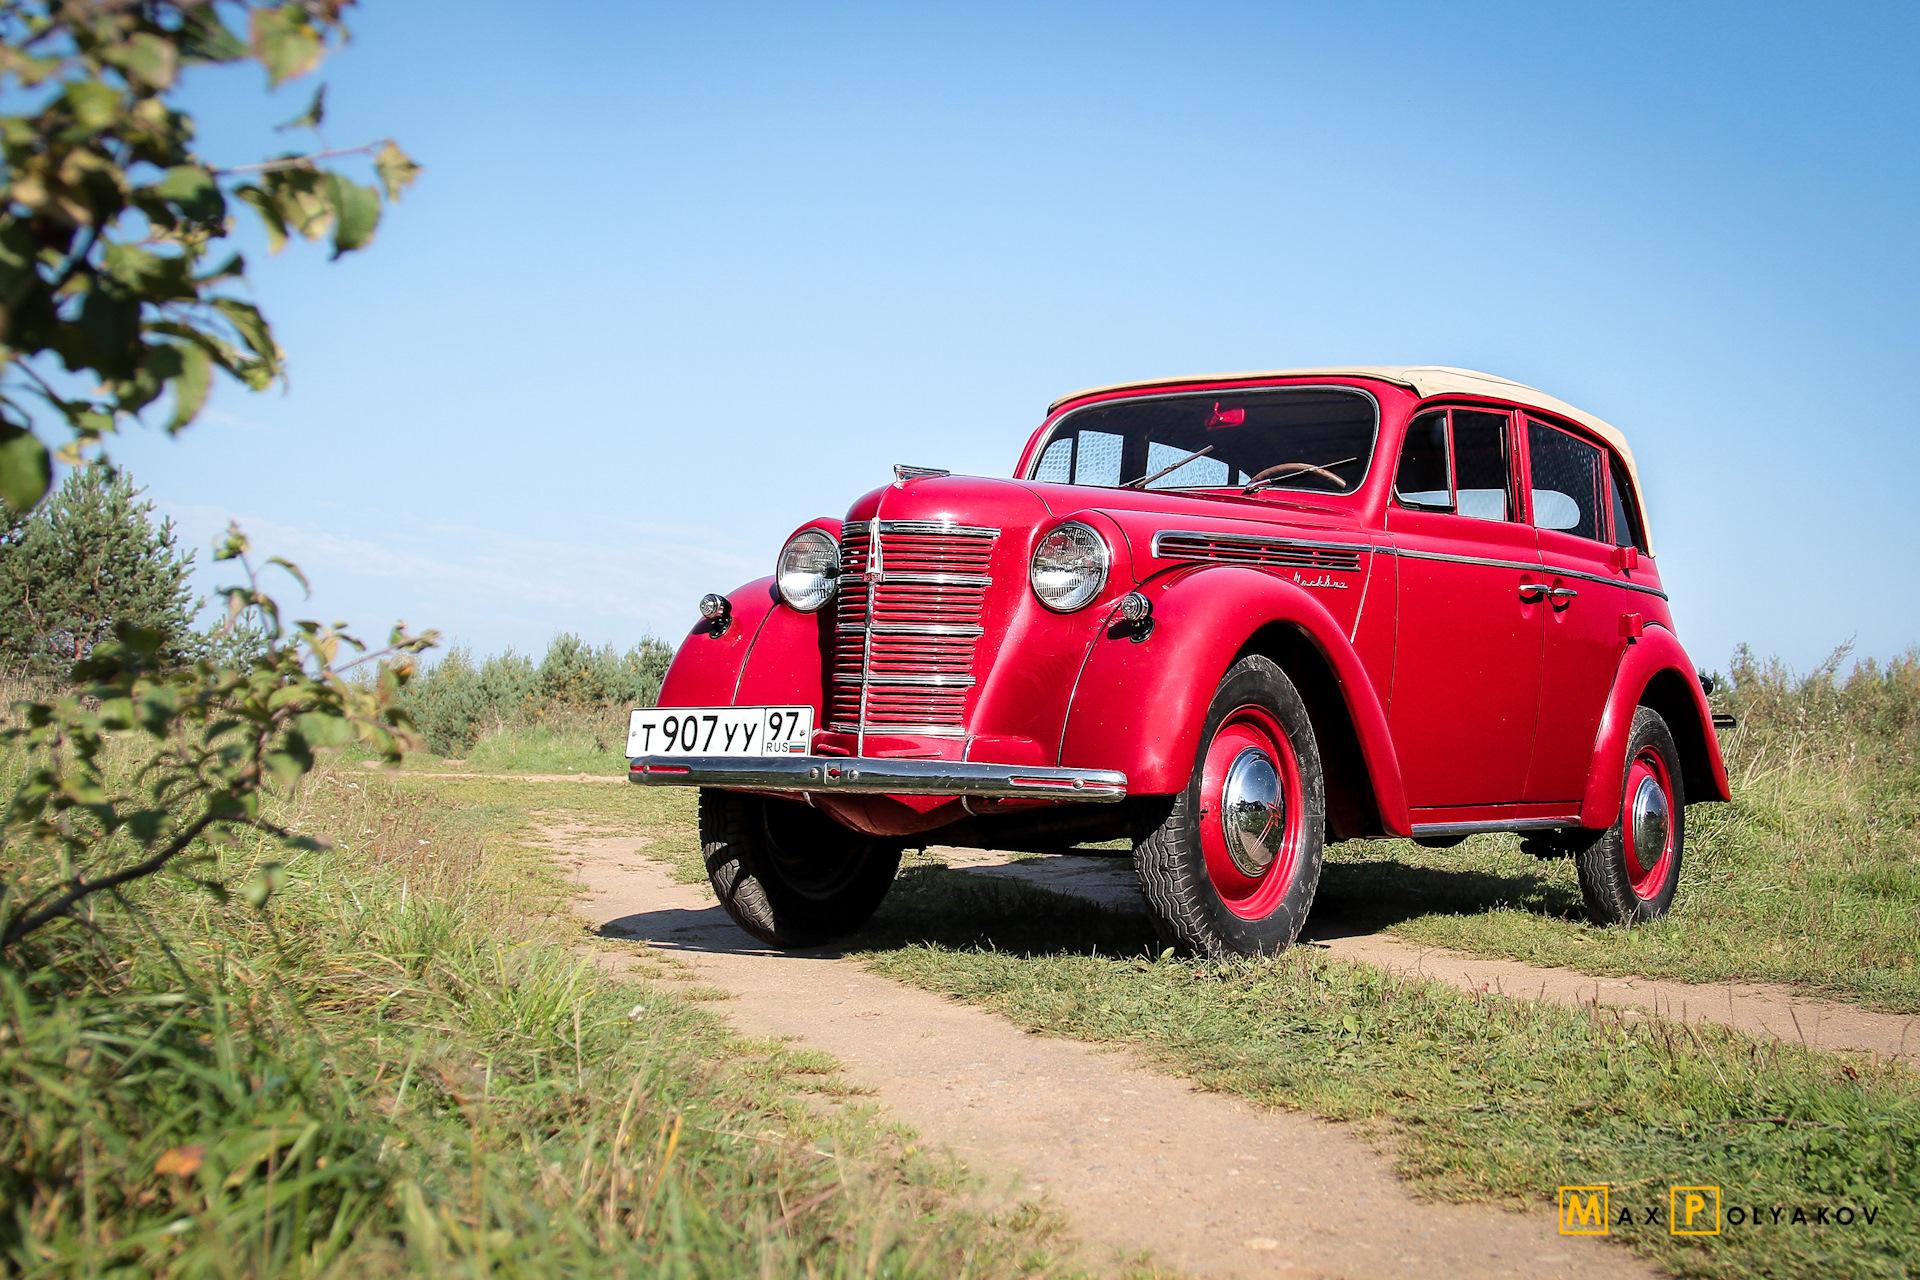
120	299
118	289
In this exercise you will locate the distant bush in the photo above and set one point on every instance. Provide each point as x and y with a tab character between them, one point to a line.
460	701
1867	720
89	559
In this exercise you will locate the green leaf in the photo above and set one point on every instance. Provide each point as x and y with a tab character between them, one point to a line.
234	268
273	216
324	728
312	117
294	570
205	38
93	104
251	326
290	764
396	169
269	878
356	213
285	42
111	320
192	189
190	386
147	58
26	469
233	545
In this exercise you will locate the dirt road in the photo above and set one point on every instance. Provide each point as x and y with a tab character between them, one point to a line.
1139	1160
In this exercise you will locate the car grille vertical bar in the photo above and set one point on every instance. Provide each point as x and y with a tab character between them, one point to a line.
911	600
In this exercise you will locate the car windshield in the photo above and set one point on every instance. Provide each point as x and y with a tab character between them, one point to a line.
1287	438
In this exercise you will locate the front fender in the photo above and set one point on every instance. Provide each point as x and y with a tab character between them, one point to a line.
1139	707
1654	672
706	669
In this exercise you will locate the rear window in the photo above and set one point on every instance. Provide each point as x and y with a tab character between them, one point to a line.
1318	439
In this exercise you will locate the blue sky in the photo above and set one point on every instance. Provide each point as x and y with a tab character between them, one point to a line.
678	278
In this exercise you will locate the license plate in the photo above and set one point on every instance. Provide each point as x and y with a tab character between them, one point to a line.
719	731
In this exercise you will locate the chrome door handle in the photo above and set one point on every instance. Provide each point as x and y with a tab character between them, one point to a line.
1535	589
1563	593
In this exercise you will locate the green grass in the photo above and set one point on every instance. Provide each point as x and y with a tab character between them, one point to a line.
1477	1097
411	1065
1811	876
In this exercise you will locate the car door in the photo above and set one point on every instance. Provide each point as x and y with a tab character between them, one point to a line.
1466	675
1580	509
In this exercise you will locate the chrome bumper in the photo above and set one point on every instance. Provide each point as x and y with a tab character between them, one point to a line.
868	776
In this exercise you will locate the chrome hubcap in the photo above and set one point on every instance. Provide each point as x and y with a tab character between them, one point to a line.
1253	811
1651	819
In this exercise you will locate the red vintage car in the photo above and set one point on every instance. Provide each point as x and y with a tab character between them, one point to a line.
1229	618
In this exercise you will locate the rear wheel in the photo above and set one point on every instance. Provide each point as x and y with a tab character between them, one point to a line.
786	873
1628	873
1233	868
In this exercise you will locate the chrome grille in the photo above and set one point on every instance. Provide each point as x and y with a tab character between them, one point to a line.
909	620
1245	549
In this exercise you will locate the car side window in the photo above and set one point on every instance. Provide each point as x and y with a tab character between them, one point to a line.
1464	466
1482	466
1626	512
1425	477
1569	481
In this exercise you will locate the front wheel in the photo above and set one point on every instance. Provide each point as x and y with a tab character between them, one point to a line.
786	873
1233	869
1628	873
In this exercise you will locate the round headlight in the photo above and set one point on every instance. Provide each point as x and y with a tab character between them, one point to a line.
1069	567
809	569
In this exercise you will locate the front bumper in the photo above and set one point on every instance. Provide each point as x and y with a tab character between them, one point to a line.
865	775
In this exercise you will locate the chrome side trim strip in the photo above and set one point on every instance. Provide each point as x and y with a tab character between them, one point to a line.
1605	582
1535	566
1498	824
865	776
1305	544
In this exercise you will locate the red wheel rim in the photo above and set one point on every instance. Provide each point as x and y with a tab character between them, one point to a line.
1646	823
1251	893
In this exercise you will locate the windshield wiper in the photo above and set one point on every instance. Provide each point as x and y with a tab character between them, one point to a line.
1144	481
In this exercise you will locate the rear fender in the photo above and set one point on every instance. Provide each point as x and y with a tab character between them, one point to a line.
1655	672
1138	707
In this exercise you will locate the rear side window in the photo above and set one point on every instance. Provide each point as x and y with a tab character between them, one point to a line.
1464	466
1626	512
1569	482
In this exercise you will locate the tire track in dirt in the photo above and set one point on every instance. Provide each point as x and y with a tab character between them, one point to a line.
1137	1159
1758	1009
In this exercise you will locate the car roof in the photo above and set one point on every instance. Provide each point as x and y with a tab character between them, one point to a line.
1425	381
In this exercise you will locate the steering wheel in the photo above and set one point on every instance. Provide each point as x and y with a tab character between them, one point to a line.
1285	469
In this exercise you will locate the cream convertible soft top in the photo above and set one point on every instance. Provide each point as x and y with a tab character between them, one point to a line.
1423	380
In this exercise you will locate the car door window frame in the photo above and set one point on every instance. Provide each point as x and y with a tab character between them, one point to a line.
1519	511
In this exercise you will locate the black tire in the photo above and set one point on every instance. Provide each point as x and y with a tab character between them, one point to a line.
786	873
1617	881
1200	883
